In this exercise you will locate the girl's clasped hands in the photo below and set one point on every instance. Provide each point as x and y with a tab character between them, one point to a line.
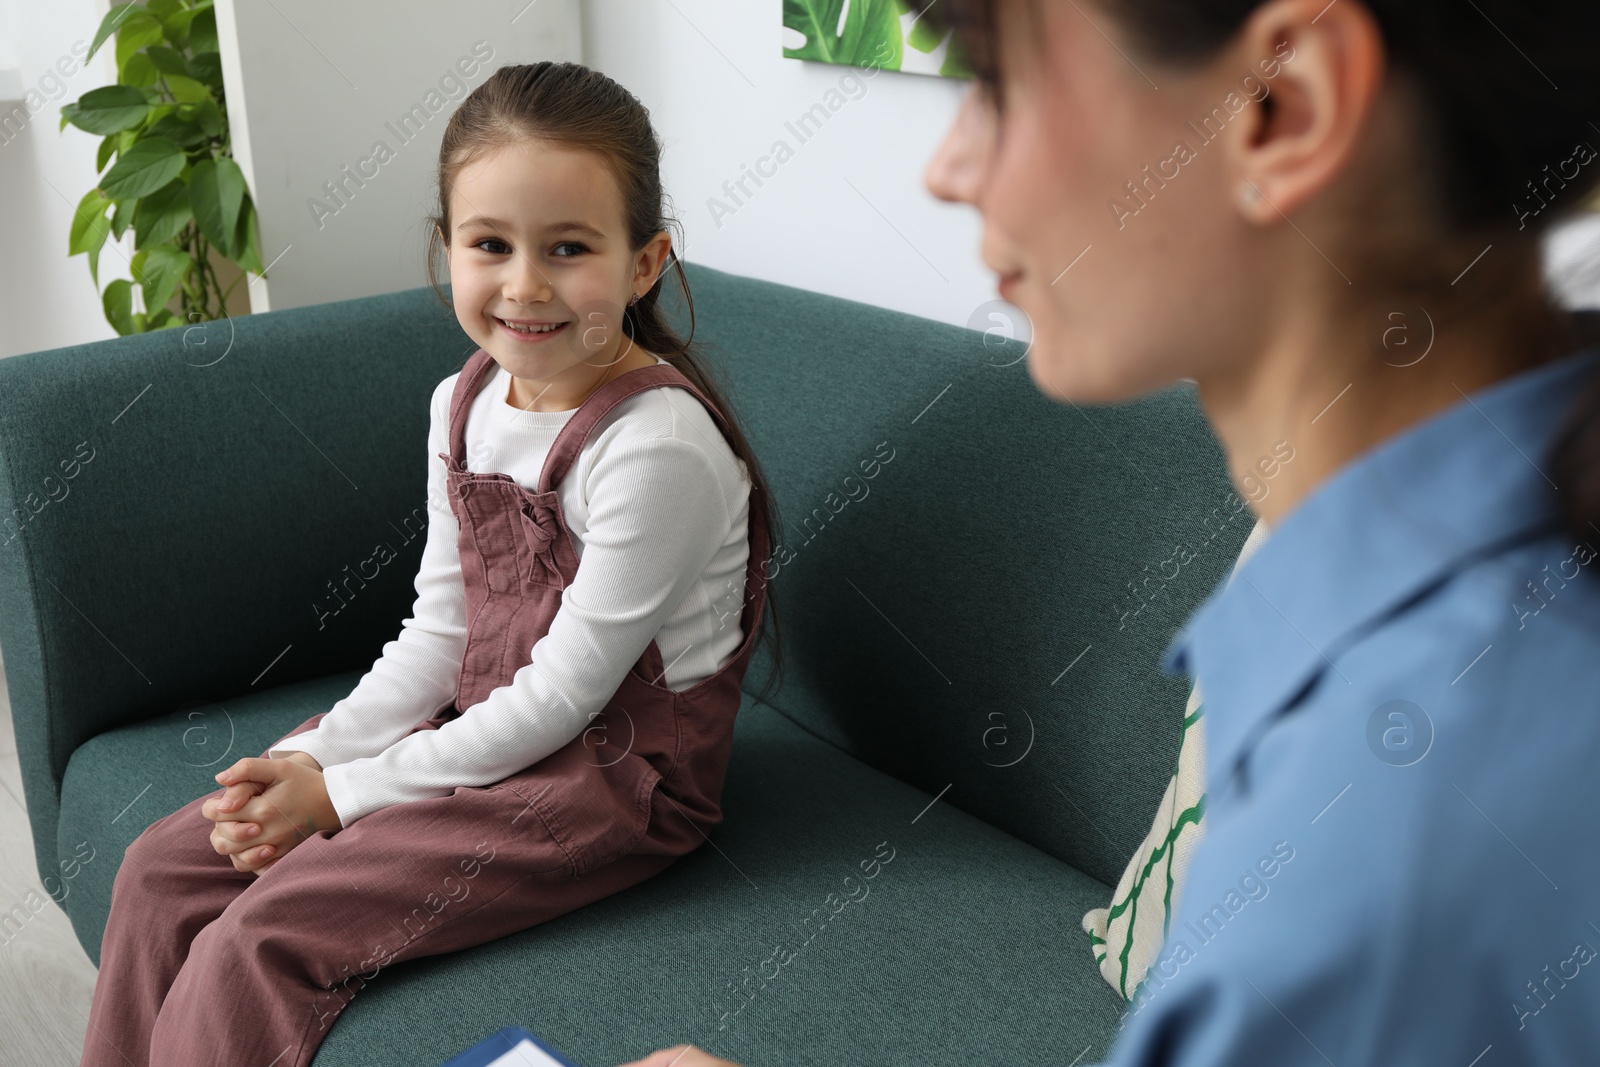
268	807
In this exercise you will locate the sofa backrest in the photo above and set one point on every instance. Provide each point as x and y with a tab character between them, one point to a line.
974	583
973	580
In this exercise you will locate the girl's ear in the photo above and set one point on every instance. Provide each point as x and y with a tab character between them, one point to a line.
652	258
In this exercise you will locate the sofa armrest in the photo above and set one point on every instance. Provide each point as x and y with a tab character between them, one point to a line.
198	512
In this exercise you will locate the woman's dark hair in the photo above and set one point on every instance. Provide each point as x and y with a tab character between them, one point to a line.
1510	91
574	106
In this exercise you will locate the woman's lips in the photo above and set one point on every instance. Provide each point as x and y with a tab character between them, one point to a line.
533	337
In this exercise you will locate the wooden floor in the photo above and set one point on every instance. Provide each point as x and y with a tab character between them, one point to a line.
46	981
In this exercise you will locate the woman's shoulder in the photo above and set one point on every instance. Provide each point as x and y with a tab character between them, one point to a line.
1513	636
1526	617
1485	690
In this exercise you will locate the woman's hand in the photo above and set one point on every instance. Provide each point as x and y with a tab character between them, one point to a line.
680	1056
270	806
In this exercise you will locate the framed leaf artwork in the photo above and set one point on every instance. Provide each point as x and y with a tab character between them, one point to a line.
871	33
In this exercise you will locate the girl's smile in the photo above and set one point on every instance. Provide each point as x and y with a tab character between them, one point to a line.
531	331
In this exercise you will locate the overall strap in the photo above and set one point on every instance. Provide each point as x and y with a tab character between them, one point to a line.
479	364
570	441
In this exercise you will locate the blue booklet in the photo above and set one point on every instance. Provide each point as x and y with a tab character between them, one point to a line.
510	1046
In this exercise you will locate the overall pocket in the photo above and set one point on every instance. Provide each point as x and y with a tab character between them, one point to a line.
595	804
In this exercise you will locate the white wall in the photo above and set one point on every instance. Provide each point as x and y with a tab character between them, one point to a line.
46	299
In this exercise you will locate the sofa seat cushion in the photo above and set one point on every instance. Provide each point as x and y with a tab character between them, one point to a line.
769	945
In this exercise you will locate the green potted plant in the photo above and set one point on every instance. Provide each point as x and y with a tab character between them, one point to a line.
171	175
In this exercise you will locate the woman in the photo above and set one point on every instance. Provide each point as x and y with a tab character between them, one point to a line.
1327	214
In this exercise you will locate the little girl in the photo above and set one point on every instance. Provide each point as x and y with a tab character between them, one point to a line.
542	733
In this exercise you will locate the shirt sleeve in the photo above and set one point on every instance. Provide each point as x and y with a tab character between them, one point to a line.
416	673
657	518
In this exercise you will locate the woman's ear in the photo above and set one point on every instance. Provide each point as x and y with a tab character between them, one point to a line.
1330	64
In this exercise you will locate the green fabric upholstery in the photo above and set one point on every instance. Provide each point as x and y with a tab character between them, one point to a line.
170	606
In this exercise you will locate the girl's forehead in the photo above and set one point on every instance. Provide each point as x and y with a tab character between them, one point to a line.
535	184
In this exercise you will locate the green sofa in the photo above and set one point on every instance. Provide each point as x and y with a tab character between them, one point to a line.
972	637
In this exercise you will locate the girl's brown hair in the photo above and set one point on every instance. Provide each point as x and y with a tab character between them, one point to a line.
574	106
1500	119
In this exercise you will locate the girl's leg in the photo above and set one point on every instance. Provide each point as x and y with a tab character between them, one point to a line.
265	981
170	885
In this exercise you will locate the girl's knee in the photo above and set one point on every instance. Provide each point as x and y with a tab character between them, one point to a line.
165	848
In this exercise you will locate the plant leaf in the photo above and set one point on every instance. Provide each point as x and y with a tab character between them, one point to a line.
89	230
216	190
120	216
167	61
89	224
207	114
151	163
139	30
247	239
207	67
107	147
180	131
186	90
160	270
109	109
109	25
203	30
177	25
138	70
164	9
176	18
117	301
162	215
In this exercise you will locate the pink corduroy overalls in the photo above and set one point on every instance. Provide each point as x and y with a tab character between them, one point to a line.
202	964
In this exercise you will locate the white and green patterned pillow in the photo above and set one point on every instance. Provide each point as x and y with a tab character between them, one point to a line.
1127	936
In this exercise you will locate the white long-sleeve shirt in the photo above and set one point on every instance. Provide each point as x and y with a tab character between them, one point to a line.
658	506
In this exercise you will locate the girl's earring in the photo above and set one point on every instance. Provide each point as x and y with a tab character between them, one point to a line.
1249	194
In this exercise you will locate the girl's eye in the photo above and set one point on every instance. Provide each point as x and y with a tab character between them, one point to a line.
503	247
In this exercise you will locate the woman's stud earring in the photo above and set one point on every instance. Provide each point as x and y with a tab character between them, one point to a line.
1249	194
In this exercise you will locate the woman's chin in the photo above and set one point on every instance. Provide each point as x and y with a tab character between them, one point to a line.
1080	374
1060	374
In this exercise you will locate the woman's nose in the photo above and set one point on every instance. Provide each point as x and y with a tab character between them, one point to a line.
957	168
